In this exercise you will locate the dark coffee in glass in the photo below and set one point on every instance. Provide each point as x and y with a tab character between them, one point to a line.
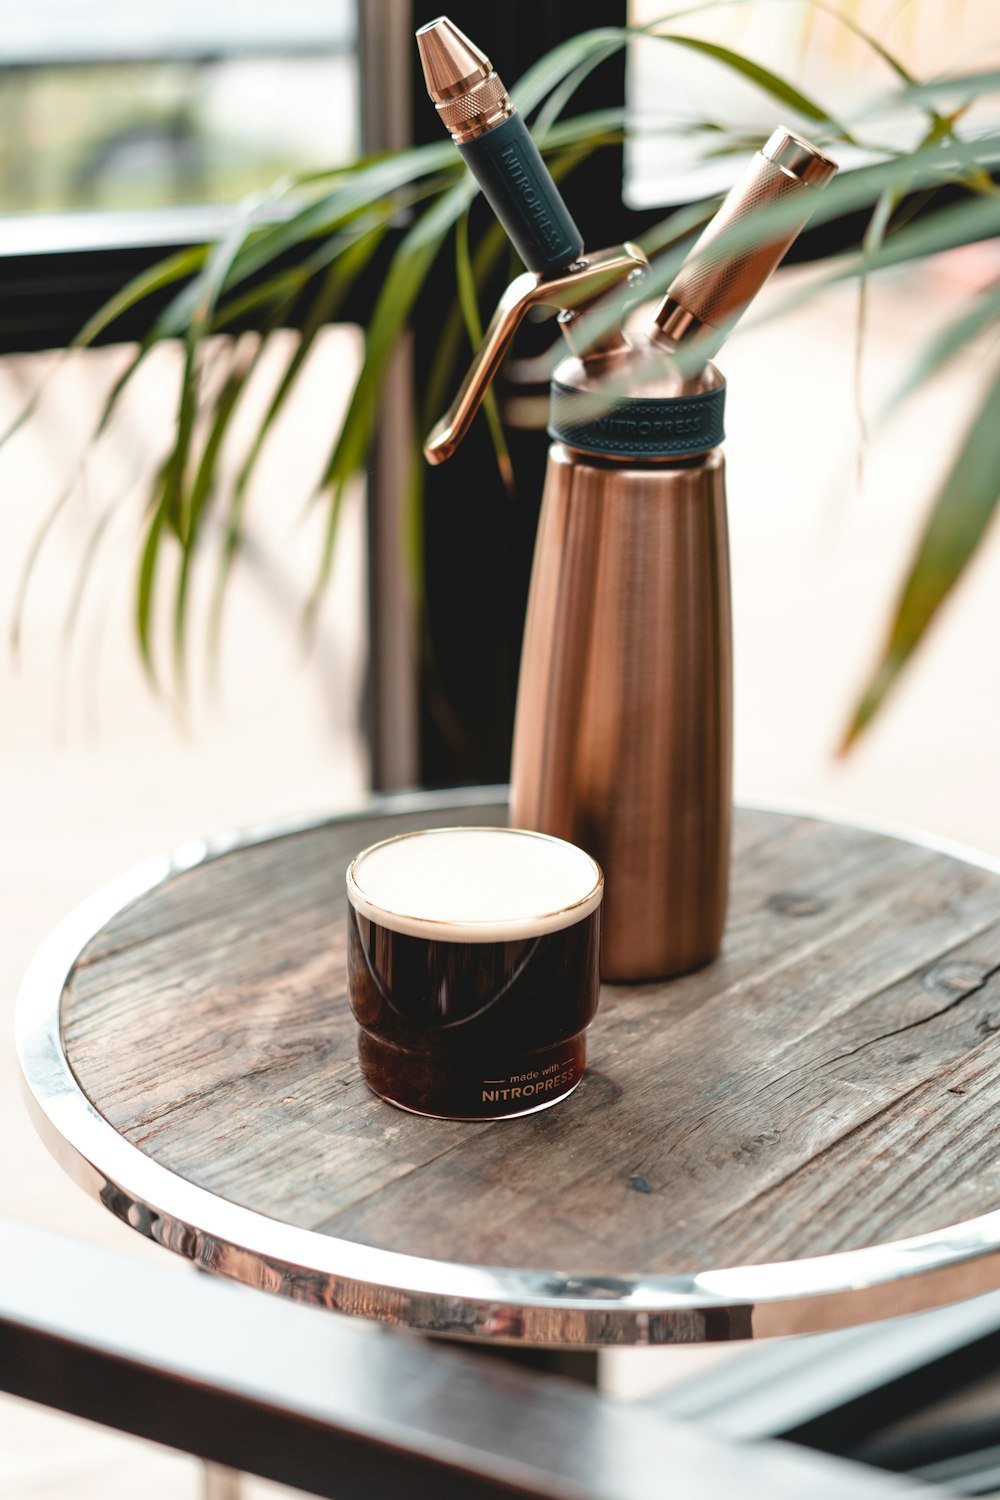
473	966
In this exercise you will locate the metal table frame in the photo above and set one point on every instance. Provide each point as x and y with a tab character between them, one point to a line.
348	1411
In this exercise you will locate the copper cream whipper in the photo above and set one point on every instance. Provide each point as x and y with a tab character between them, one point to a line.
623	729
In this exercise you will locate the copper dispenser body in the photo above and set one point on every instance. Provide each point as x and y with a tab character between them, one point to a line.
623	734
623	730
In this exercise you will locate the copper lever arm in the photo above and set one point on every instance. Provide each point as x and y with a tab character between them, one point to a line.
579	284
446	434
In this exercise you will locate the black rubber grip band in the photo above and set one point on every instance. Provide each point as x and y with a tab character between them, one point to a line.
509	169
664	427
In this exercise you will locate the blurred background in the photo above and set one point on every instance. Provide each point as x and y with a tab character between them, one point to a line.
129	132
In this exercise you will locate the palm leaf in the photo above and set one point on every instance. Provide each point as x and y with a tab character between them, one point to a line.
349	264
468	302
928	165
952	339
561	96
261	299
334	512
960	515
331	222
960	224
171	504
404	278
359	189
778	88
202	488
889	58
207	290
146	579
872	241
30	563
968	220
85	566
174	268
550	71
960	85
177	267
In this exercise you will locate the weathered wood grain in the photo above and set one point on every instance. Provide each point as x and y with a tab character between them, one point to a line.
830	1082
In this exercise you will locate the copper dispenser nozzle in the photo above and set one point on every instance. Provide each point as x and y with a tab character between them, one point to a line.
461	80
718	280
496	145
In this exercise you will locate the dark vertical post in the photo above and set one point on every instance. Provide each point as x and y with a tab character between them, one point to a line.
391	710
442	686
478	539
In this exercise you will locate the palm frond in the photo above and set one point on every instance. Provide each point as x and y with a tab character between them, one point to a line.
303	247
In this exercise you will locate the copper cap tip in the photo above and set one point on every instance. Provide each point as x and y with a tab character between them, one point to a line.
798	157
451	63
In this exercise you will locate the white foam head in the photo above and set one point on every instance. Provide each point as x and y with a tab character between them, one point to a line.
475	885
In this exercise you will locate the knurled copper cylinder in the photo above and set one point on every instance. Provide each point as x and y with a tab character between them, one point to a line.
623	732
718	279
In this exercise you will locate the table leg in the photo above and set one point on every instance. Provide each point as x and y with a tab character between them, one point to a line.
219	1483
571	1364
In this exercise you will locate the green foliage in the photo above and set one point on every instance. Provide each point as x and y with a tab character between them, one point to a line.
961	513
299	252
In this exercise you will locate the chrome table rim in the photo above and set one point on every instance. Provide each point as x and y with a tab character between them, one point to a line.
495	1303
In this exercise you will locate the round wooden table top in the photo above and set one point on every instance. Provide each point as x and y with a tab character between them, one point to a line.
801	1135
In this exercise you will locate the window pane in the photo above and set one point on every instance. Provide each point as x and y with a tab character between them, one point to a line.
677	97
113	104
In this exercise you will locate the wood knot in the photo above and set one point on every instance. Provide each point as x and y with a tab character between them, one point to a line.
795	904
767	1137
640	1184
987	1026
954	978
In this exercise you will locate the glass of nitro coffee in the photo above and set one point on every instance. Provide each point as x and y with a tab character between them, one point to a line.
474	969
